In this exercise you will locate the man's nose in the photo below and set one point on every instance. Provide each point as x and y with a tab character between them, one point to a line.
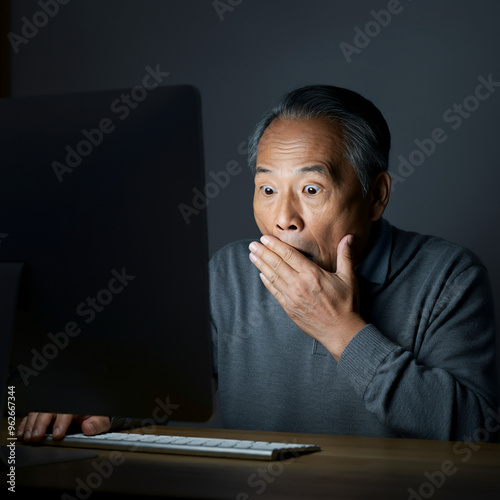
288	217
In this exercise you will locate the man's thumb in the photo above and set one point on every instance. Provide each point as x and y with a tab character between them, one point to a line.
345	256
95	425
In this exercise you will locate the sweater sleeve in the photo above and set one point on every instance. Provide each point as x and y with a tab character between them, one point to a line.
443	388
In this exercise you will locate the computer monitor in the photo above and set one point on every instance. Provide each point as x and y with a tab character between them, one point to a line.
112	316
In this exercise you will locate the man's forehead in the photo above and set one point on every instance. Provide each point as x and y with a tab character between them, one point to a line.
302	139
287	126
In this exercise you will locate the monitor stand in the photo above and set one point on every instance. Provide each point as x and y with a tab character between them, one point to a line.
12	453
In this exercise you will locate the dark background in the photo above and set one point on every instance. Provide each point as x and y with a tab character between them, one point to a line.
243	56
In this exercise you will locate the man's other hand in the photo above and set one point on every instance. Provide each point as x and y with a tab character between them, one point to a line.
35	425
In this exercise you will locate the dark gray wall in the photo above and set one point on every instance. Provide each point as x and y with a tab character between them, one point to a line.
428	57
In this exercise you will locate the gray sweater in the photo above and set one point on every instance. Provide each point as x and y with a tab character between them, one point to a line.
422	368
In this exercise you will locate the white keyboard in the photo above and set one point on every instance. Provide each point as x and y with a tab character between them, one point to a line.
149	443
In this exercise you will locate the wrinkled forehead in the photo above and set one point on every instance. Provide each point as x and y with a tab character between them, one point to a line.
300	141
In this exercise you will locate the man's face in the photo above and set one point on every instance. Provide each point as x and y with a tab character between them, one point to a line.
306	193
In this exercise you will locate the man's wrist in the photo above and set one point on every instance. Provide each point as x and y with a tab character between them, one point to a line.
343	334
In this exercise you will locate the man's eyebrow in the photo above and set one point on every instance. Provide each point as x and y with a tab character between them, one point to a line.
320	169
262	170
313	168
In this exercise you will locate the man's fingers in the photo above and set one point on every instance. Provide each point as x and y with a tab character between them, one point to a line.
92	425
61	424
21	427
274	272
288	254
34	426
274	266
277	294
37	425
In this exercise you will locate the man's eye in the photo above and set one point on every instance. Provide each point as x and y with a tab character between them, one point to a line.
268	190
311	189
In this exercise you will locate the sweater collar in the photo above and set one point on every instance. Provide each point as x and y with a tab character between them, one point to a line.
375	266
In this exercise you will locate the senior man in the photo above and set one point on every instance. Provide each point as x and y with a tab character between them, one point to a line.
336	321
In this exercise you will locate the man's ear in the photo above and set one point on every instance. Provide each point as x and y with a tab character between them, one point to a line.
380	190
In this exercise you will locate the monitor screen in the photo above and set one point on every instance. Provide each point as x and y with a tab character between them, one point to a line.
112	316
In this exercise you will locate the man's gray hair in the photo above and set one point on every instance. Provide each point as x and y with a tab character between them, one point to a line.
366	136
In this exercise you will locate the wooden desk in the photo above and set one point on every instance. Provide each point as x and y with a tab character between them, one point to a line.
346	468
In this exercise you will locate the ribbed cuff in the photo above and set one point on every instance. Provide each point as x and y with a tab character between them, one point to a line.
363	355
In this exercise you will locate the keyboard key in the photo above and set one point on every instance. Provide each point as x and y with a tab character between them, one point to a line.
262	445
228	443
99	436
244	444
166	439
130	437
198	442
179	440
149	438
